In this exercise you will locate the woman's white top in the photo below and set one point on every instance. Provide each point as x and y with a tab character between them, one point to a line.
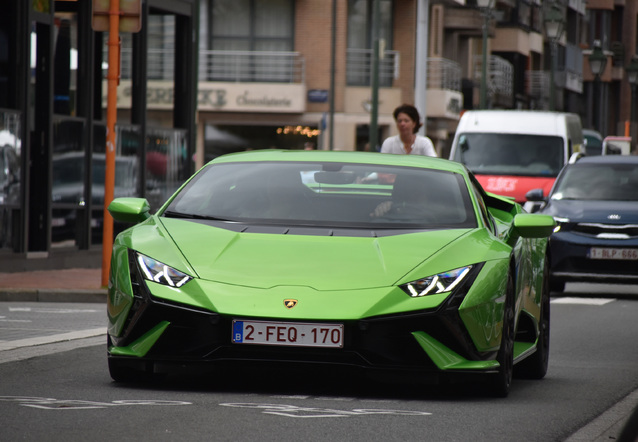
422	146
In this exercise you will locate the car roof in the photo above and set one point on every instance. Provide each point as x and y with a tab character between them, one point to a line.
322	156
608	159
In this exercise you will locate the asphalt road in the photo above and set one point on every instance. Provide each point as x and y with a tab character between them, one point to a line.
62	390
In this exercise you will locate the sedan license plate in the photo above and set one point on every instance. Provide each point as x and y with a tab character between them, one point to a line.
288	333
609	253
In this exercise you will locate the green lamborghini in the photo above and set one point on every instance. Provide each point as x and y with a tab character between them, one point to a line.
362	260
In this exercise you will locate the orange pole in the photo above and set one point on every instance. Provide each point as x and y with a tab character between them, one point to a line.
111	118
627	128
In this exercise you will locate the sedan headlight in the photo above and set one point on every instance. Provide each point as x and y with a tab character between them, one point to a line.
161	273
559	222
442	282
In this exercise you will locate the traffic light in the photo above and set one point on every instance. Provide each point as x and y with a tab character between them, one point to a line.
130	15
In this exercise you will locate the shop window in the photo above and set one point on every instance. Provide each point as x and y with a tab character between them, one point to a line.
65	64
223	139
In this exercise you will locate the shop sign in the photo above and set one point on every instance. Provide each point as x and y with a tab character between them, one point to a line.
226	97
318	95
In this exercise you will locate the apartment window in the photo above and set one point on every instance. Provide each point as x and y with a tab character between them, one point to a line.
361	40
251	25
524	14
251	41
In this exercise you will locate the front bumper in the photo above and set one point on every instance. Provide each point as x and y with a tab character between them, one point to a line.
571	262
164	333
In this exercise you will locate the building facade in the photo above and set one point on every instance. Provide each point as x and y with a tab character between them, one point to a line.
53	122
204	78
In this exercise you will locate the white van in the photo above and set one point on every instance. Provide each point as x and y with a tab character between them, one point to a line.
514	151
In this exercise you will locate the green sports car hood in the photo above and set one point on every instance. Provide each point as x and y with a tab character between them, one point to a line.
266	260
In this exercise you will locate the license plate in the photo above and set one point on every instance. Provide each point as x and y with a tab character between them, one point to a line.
294	334
609	253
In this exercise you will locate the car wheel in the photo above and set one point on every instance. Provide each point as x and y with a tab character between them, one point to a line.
557	286
535	366
500	382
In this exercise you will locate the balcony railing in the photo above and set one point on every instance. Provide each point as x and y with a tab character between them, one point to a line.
233	66
267	67
251	66
359	67
500	76
443	74
537	84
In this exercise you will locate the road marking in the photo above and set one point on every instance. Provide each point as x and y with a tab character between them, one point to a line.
41	340
75	404
582	301
311	412
52	310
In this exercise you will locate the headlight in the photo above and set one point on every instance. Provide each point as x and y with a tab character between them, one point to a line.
442	282
559	222
161	273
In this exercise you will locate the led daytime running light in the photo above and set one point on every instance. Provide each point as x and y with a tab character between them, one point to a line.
443	282
161	273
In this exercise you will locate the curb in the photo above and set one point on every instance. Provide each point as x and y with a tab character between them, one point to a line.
53	295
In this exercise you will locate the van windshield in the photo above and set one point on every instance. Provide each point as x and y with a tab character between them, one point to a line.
511	154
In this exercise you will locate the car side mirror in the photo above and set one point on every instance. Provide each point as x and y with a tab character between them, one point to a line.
129	210
532	225
535	195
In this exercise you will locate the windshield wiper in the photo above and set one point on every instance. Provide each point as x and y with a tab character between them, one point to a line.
173	214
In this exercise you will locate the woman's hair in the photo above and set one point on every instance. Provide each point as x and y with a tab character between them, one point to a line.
411	112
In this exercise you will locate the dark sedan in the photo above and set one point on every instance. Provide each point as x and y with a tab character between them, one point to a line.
595	203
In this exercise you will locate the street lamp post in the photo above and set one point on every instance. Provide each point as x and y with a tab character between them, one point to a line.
632	77
554	26
597	63
486	10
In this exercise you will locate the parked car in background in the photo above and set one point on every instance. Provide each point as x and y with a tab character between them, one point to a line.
613	145
9	191
280	258
595	203
68	191
514	151
593	142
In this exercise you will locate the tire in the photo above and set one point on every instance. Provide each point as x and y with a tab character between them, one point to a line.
556	286
535	366
500	383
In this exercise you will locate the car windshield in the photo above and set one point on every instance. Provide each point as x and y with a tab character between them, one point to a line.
511	154
326	195
609	182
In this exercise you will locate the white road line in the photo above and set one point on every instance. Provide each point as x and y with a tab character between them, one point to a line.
51	310
582	301
41	340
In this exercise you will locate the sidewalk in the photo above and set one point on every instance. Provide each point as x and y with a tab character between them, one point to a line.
64	285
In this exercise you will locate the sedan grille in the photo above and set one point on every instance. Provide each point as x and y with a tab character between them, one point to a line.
609	231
